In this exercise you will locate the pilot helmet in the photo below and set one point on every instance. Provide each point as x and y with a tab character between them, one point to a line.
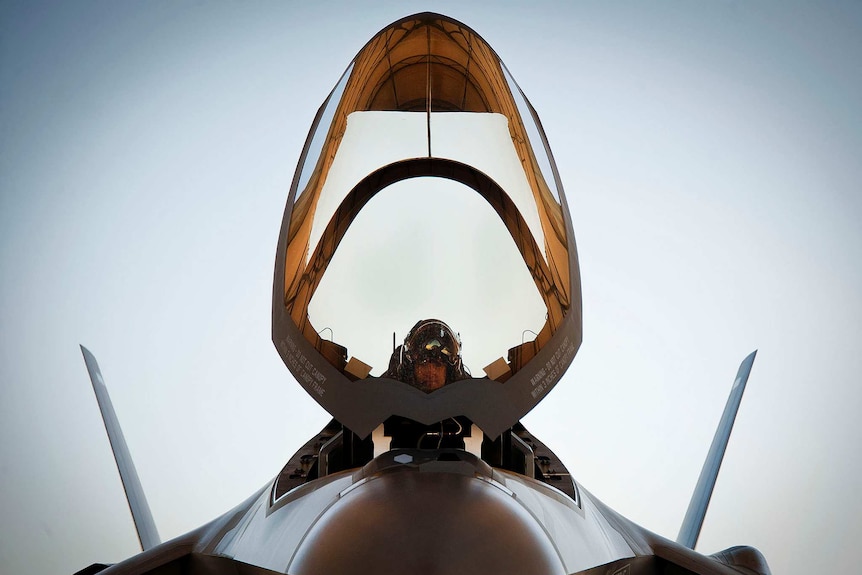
431	339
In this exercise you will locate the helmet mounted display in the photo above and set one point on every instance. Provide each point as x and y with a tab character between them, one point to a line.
432	340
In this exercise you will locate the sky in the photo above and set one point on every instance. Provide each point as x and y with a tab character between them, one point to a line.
426	247
710	157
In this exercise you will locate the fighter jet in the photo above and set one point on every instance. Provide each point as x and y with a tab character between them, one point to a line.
427	295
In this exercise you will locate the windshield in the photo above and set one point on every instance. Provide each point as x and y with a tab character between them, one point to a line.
426	190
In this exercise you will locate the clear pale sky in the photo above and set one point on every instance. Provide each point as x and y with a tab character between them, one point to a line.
711	159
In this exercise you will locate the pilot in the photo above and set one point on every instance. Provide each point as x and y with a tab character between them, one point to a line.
429	358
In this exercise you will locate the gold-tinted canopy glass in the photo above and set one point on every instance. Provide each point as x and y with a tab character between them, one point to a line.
426	189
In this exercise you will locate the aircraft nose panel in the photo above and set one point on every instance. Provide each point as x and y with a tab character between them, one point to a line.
426	189
408	521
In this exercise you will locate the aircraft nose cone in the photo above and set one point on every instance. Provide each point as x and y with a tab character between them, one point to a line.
411	521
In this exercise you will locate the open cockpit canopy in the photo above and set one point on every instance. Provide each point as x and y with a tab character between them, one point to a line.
426	189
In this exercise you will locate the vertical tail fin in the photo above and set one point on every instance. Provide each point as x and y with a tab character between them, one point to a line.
147	534
691	525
